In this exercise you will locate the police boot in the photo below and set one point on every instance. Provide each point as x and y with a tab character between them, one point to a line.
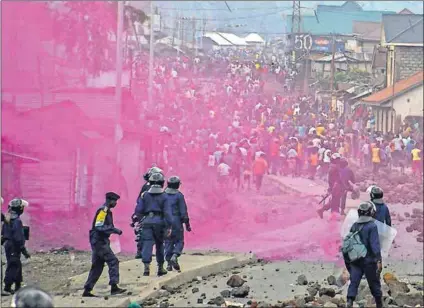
17	286
349	302
87	293
169	267
146	269
161	270
115	290
378	302
174	262
7	290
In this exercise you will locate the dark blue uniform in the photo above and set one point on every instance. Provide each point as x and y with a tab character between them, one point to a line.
102	228
367	265
150	208
145	188
383	214
177	207
14	245
346	176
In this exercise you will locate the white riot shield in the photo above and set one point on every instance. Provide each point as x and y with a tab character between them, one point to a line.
386	234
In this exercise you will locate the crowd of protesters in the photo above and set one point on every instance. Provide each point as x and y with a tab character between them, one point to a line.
217	113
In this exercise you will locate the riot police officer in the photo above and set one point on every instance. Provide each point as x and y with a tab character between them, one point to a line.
13	238
334	186
155	222
382	211
102	228
371	264
144	188
176	205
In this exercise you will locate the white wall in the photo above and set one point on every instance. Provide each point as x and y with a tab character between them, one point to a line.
410	103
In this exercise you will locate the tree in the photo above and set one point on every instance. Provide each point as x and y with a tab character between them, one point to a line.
88	31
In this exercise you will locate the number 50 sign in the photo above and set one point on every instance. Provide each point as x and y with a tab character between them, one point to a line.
302	42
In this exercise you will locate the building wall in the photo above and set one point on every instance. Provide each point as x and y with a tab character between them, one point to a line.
409	60
409	104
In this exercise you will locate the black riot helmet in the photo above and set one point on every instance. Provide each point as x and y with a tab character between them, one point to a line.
376	193
157	179
174	182
17	206
151	171
367	208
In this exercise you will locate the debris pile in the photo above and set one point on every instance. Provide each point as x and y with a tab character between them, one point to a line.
398	188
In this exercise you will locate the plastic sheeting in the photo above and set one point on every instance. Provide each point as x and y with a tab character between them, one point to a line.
386	234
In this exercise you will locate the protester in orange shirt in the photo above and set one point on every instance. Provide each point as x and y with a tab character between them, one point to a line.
260	167
313	163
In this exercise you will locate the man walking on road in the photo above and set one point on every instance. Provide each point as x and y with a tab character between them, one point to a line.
260	167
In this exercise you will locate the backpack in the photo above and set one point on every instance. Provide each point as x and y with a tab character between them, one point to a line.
353	246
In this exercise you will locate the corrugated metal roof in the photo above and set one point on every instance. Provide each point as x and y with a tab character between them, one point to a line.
341	57
218	39
400	86
403	29
233	39
254	38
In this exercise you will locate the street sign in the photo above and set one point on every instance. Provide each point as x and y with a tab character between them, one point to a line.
303	42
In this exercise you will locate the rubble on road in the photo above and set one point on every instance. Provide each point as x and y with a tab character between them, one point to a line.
397	187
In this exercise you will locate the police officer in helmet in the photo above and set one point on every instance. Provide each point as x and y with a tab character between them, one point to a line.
177	207
102	228
13	239
382	211
144	188
371	264
155	222
334	186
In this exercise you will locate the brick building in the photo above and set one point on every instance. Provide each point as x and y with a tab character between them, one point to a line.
402	36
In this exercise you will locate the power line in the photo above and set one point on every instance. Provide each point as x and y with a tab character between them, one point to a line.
235	18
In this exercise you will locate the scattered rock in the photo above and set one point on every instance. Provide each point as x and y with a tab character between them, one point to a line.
217	301
412	299
309	298
312	290
330	305
395	286
235	281
264	305
164	293
200	300
323	299
299	301
195	290
301	280
331	280
240	292
327	291
225	293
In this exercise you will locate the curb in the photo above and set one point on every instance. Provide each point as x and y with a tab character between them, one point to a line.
153	290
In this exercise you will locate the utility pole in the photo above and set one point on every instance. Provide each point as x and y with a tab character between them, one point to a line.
118	88
179	34
194	35
296	17
333	52
151	54
182	20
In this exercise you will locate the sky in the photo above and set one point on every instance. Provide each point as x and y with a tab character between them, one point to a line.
263	17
